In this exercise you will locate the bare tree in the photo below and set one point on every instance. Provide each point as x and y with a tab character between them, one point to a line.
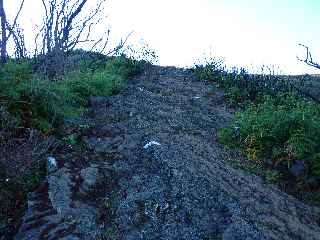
19	42
7	30
310	62
308	59
59	23
67	25
64	28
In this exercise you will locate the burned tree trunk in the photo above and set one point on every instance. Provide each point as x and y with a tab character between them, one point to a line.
3	33
63	30
8	30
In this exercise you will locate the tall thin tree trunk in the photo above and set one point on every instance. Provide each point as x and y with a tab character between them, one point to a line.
3	46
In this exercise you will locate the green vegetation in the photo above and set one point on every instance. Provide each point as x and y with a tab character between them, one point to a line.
43	98
275	126
29	100
108	234
241	87
43	103
283	129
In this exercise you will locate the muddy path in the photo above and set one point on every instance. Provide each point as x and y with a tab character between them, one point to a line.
155	171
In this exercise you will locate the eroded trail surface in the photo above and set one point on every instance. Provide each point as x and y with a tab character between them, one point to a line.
155	171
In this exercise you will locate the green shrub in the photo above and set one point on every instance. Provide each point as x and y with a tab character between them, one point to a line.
240	86
17	91
40	103
17	71
86	61
271	176
27	100
212	70
124	66
283	129
276	125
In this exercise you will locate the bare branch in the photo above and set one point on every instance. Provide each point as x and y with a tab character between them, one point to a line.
65	27
73	15
15	20
120	46
308	60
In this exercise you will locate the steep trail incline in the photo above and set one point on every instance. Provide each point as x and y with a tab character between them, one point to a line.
155	171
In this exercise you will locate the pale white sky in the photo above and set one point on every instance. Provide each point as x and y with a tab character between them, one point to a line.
245	33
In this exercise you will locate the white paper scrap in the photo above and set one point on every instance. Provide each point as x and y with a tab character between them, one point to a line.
150	144
52	164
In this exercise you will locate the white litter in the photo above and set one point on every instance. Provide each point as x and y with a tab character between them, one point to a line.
196	97
141	90
52	164
150	144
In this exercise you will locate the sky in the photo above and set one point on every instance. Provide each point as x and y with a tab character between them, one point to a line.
246	33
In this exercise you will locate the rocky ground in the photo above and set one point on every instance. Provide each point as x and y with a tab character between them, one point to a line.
155	171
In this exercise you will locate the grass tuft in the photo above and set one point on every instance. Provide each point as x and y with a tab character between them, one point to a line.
276	125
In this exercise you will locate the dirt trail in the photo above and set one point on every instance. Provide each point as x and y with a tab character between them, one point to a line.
155	171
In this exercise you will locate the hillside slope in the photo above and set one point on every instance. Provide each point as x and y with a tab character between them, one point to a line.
154	171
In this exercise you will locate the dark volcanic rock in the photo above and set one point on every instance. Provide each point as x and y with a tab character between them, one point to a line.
180	188
54	213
